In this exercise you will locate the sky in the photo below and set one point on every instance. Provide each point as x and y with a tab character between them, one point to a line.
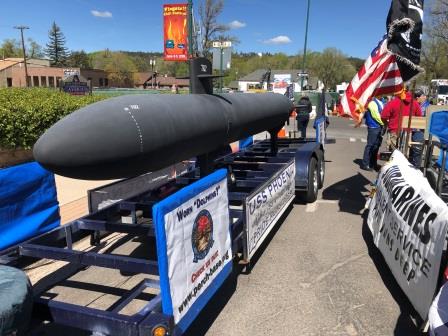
352	26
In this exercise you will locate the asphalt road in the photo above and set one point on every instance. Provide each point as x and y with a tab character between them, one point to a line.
318	273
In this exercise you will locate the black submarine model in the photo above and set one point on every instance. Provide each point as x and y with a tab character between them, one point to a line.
130	135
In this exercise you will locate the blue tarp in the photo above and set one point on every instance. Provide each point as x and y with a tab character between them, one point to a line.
28	203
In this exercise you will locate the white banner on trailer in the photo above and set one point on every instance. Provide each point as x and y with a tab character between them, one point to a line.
194	246
409	224
265	206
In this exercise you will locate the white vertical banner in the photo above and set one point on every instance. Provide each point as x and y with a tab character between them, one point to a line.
193	246
266	204
320	130
281	83
409	224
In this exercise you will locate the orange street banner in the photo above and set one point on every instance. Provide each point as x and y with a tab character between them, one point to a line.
175	32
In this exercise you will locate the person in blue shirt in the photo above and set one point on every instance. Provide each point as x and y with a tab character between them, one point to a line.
374	125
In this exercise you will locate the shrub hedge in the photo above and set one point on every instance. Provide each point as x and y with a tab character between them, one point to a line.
25	113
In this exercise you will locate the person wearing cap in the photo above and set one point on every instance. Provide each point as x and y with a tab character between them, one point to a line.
422	99
374	125
303	109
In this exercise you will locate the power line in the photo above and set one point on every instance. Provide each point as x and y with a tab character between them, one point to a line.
21	28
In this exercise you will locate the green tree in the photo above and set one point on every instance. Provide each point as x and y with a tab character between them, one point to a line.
434	59
121	70
56	50
34	49
438	24
79	59
10	48
100	59
434	56
332	67
356	62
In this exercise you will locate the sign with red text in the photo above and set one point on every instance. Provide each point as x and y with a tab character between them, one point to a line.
175	32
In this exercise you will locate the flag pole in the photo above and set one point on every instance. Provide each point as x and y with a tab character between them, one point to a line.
411	111
400	121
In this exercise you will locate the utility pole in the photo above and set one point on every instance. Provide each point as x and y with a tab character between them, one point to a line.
23	51
306	40
152	62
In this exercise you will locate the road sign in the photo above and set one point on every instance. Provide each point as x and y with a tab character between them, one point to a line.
222	44
226	58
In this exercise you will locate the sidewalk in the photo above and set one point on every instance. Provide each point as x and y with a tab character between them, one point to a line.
72	196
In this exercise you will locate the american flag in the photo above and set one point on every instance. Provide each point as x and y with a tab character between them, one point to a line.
378	76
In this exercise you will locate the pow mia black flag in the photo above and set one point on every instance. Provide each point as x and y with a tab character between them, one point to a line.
404	27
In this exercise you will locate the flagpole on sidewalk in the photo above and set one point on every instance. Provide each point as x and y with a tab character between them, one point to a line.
305	45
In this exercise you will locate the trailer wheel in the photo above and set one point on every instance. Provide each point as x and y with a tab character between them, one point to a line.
310	195
16	301
321	169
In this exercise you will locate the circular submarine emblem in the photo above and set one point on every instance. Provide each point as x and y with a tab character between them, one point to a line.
202	235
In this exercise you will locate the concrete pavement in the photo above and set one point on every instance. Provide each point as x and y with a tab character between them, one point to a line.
72	196
318	274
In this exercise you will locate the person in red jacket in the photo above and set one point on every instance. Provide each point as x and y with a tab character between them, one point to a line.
391	114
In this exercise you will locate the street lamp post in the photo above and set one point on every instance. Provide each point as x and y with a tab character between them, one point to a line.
305	44
152	62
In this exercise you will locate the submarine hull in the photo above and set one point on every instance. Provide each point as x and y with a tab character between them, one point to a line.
130	135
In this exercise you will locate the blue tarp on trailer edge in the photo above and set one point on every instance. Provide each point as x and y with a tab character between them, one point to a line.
28	203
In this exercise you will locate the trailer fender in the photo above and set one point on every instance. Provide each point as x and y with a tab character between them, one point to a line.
302	158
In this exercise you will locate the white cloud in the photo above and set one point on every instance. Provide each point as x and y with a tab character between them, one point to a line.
281	39
105	14
236	24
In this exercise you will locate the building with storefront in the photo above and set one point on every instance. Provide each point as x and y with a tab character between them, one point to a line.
148	80
41	74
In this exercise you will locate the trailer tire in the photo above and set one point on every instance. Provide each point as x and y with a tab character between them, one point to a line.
16	301
320	169
310	195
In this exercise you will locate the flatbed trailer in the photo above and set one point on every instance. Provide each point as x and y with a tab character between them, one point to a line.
262	182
